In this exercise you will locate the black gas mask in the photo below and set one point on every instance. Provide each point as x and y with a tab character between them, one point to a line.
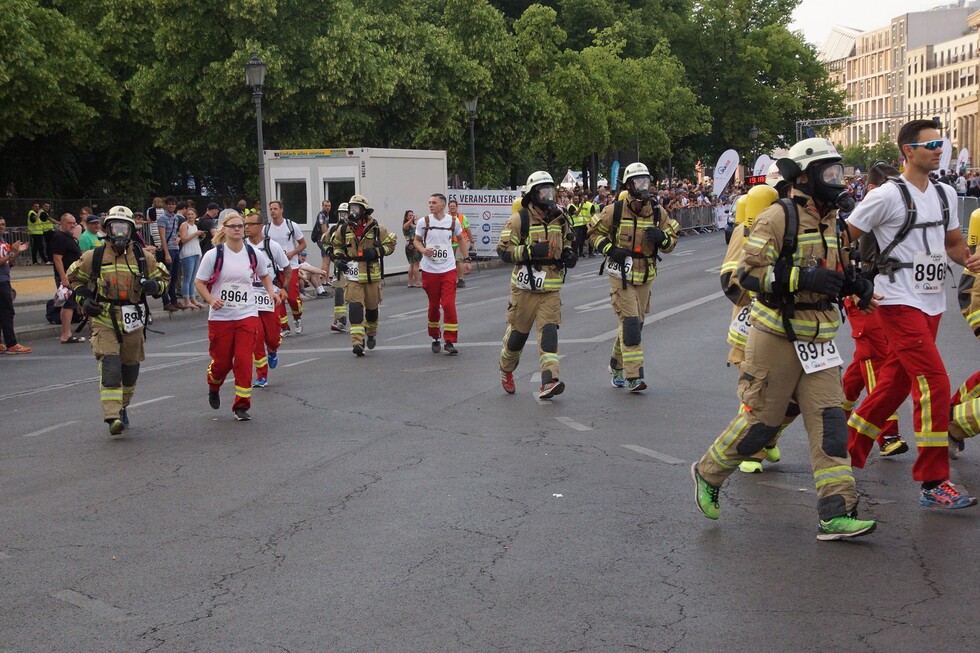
825	182
355	212
119	234
545	198
639	189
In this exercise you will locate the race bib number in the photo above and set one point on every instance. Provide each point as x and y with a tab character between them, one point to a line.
351	270
235	295
740	324
132	318
532	281
442	253
616	271
928	273
262	301
816	356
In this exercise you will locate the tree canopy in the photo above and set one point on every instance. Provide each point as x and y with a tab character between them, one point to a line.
133	96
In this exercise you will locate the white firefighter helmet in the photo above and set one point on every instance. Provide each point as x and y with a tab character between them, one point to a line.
539	178
811	150
120	213
635	170
773	178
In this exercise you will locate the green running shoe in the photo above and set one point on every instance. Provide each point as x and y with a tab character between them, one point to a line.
772	454
750	466
116	427
843	528
705	495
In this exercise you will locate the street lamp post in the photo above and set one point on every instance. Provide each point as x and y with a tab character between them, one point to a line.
471	109
753	136
255	77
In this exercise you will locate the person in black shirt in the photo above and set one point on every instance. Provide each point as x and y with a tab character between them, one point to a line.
208	223
64	252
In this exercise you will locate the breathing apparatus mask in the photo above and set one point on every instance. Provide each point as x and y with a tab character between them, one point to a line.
639	190
119	233
825	182
355	212
545	198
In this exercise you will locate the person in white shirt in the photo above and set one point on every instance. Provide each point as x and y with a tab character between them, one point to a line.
290	237
266	353
227	279
434	239
911	300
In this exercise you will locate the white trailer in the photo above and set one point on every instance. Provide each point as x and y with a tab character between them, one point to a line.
393	181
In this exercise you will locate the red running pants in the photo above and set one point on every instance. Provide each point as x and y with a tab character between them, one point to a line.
441	291
870	352
913	363
269	340
232	343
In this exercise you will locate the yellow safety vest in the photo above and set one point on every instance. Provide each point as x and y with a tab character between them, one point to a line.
34	226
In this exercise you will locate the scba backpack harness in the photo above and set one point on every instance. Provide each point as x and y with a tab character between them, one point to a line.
614	232
525	234
877	260
143	305
377	237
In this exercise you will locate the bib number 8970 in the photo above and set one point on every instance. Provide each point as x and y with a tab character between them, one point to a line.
530	281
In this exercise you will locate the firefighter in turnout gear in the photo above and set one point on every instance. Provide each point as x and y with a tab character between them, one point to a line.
360	245
791	260
111	283
631	232
750	205
964	421
539	242
339	324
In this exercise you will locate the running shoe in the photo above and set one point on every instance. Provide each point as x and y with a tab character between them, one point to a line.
618	381
358	350
214	400
19	349
750	466
705	494
435	347
242	415
893	446
461	283
843	528
273	357
371	342
636	385
3	347
285	333
124	417
338	326
772	454
946	497
116	427
299	326
507	382
552	388
451	349
260	383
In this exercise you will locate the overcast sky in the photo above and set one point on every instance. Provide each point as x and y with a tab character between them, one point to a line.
815	18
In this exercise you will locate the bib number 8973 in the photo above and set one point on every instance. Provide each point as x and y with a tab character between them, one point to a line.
816	356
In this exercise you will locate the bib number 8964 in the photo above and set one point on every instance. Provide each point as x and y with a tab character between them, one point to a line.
233	296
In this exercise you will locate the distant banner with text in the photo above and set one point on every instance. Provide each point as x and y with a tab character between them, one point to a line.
724	170
487	211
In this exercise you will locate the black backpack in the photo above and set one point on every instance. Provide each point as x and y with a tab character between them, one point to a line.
875	259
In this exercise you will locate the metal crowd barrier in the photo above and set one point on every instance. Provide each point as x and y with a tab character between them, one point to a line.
19	233
967	205
695	219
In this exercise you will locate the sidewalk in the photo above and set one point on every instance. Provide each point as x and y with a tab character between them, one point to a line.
34	284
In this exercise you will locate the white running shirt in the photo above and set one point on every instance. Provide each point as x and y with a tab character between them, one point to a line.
441	240
278	254
280	234
882	212
235	268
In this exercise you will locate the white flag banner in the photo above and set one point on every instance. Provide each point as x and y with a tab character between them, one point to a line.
725	170
761	166
947	155
963	160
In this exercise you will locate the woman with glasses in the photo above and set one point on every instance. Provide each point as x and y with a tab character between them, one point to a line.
227	280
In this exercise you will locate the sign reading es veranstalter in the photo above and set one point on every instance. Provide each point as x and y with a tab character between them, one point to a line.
487	211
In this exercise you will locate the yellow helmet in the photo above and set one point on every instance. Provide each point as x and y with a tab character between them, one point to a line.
758	199
740	209
624	195
516	206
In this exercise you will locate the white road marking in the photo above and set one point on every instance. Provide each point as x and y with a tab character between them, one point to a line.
536	377
596	305
662	315
308	360
49	429
569	422
3	556
95	606
662	457
186	342
150	401
407	335
715	270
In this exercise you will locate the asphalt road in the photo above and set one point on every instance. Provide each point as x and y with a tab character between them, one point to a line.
403	502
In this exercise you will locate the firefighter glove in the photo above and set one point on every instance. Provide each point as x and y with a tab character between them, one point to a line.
370	254
152	287
822	281
539	249
568	258
656	236
863	288
91	307
618	255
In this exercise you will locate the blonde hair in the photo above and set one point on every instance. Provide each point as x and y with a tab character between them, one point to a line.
220	236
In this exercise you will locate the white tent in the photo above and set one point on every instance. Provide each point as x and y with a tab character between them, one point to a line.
573	178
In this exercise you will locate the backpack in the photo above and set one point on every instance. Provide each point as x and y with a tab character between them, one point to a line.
97	256
451	229
874	259
317	232
614	232
289	231
219	259
276	272
377	238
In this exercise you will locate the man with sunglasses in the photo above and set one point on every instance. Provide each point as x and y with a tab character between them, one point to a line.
911	305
